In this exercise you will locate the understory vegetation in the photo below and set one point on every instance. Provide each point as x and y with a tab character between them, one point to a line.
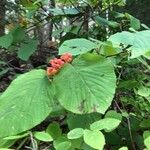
74	75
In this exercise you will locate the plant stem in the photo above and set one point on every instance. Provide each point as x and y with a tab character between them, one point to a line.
129	127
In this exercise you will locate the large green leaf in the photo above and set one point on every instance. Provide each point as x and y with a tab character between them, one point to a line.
6	40
76	46
26	102
94	139
87	85
6	143
27	49
139	41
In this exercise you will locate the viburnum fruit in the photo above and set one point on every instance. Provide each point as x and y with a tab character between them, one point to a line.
51	71
67	57
57	63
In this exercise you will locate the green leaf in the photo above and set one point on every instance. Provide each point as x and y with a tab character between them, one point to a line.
76	46
87	147
102	21
134	22
113	138
6	149
25	103
94	139
107	49
6	40
43	136
145	123
27	49
16	136
117	14
75	133
54	130
123	148
18	34
139	41
63	12
85	120
143	91
113	114
76	143
146	136
109	123
87	85
29	4
6	143
62	143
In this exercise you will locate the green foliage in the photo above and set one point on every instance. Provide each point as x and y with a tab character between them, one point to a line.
6	40
94	139
18	34
75	133
43	136
54	130
104	22
27	49
99	100
79	81
16	136
143	91
62	143
123	148
147	139
139	42
21	107
76	46
109	123
85	120
134	22
60	12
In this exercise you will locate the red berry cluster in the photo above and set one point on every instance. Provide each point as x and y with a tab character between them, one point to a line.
57	64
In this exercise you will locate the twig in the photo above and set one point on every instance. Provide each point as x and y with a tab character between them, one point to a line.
129	124
129	127
33	142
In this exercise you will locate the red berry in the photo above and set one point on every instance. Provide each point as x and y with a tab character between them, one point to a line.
51	71
57	63
67	57
60	62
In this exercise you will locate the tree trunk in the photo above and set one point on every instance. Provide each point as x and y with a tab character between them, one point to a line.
45	30
2	17
52	5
